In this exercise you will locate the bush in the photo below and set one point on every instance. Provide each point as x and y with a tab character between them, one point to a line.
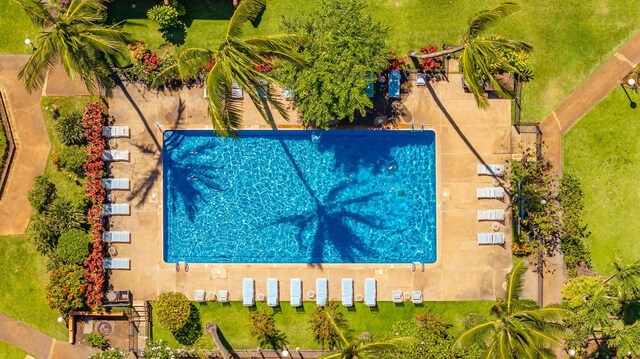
166	17
324	332
68	215
70	130
73	247
262	326
160	349
42	193
173	310
72	159
97	341
44	232
113	354
65	290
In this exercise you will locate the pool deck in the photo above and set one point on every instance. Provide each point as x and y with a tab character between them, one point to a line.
465	136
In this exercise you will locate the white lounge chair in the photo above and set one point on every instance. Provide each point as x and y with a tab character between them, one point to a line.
370	292
416	297
116	263
115	131
490	192
347	292
485	238
115	155
498	238
396	296
296	292
236	91
199	295
321	292
223	296
272	292
116	237
247	292
491	215
115	209
490	170
115	183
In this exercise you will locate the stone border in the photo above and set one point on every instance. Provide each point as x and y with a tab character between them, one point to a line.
11	149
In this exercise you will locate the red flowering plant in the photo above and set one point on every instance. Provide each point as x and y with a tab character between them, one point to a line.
147	68
66	287
93	121
431	64
394	62
266	66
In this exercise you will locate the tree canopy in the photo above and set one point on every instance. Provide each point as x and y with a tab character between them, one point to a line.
344	48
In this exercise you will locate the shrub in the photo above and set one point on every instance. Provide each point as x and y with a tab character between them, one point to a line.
113	354
173	310
72	158
160	349
44	232
323	330
262	326
137	49
73	247
42	193
576	289
67	215
165	17
97	341
65	290
69	129
431	64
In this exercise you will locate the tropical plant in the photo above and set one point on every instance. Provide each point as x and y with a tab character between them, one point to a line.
76	38
357	348
605	311
235	62
519	328
65	290
481	55
345	49
165	17
173	310
111	353
262	326
160	350
69	129
73	247
72	158
97	340
42	193
325	323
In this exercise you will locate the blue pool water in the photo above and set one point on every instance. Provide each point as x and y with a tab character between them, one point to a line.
300	197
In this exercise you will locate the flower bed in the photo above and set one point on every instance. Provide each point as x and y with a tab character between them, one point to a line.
93	121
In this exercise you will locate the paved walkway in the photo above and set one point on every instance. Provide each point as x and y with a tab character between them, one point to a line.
37	343
32	145
560	121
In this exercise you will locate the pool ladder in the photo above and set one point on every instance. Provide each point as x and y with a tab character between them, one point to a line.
413	129
413	266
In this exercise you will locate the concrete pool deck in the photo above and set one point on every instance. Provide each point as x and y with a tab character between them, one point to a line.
465	136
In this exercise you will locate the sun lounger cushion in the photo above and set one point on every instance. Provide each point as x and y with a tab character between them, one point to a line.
321	292
490	170
116	263
115	183
116	237
247	292
296	292
272	292
347	292
115	131
370	292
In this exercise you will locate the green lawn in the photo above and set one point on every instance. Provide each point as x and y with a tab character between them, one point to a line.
603	151
571	38
23	276
233	320
8	351
16	27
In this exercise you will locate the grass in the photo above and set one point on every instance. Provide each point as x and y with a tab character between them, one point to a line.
233	320
66	185
602	150
8	351
16	27
571	38
23	276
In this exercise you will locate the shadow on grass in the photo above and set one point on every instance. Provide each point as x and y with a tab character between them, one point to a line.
191	331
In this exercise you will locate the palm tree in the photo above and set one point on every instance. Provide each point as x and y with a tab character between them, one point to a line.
480	52
235	60
75	37
361	348
520	329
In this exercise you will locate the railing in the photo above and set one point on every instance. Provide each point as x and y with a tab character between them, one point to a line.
517	100
11	147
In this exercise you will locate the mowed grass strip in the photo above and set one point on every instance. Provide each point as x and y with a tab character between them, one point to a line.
233	320
603	151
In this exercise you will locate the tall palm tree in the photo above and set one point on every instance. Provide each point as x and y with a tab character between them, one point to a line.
479	52
519	329
362	348
235	60
76	37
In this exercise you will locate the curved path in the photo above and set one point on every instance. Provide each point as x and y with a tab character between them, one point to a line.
560	121
32	145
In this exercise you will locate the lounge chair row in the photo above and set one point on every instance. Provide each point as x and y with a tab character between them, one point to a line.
498	215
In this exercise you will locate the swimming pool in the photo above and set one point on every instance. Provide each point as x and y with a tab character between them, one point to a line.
300	197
